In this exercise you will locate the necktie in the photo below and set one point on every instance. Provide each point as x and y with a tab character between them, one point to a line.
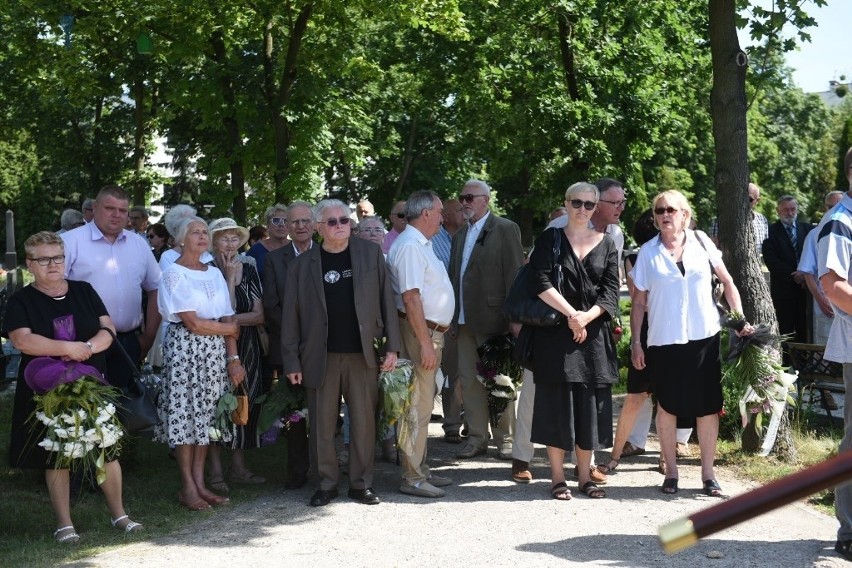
791	235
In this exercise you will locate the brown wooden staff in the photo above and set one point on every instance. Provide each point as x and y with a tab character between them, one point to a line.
683	533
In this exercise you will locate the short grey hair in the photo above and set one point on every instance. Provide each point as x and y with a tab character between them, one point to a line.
296	204
175	215
139	209
320	208
270	211
70	218
785	199
183	227
582	187
418	201
480	184
373	219
831	194
88	203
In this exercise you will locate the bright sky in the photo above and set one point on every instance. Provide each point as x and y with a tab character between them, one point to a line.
825	57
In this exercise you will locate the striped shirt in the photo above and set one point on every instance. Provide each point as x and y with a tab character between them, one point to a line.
835	254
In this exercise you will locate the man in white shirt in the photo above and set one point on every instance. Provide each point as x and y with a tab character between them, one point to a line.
425	302
119	265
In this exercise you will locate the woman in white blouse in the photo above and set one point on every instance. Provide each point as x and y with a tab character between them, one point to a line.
673	282
199	358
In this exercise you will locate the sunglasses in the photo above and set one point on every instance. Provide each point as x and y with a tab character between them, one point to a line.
468	197
751	199
670	210
616	204
333	222
577	203
278	221
45	260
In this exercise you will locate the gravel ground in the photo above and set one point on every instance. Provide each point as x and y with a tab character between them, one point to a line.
487	520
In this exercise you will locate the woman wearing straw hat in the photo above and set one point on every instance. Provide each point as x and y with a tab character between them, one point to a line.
226	239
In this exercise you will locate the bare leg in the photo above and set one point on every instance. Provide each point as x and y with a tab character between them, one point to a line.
184	454
666	427
59	489
112	490
584	461
214	461
199	456
557	467
632	404
708	433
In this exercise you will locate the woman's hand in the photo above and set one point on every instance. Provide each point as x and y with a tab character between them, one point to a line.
637	356
75	351
235	330
236	372
580	335
579	321
230	266
747	329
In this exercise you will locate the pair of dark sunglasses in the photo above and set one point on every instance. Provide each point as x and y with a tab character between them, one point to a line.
670	210
334	222
577	203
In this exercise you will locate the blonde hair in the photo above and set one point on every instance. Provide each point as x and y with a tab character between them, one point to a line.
42	238
675	199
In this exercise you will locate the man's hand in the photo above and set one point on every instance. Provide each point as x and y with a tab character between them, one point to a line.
389	362
295	378
825	305
428	356
514	328
146	340
798	277
637	356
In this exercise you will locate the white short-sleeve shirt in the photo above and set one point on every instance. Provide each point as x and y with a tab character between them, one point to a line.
835	254
680	307
204	292
414	265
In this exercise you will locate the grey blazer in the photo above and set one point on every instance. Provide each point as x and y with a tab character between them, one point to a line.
274	280
304	332
491	269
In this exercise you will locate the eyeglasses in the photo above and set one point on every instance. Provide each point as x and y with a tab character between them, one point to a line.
46	260
371	230
300	222
278	221
468	197
577	203
670	210
333	222
229	239
400	215
618	204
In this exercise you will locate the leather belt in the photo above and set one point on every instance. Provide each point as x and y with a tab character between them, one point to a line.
430	324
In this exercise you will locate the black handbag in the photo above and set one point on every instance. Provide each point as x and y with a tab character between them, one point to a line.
137	409
717	289
520	307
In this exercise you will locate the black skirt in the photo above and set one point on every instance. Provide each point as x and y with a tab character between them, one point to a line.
639	381
572	414
688	377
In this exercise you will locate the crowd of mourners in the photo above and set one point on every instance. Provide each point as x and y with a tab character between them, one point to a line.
321	300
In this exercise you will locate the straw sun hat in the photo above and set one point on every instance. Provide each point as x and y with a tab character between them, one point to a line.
227	224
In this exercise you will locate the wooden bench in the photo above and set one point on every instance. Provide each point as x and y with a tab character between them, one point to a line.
815	373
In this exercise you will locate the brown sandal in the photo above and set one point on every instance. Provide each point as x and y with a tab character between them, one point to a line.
560	491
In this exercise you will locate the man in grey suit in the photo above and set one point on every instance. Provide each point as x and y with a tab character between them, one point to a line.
485	256
342	302
300	224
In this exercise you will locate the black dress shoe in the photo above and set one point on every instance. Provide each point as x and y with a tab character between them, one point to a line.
323	497
295	482
364	496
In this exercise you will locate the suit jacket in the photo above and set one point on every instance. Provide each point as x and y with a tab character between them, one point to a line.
274	280
782	260
491	269
304	332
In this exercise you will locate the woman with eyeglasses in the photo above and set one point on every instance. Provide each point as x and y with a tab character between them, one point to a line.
278	236
574	363
29	323
673	286
158	238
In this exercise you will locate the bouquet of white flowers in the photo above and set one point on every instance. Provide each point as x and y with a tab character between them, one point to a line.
499	374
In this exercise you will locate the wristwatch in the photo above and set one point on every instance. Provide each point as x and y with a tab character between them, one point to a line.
89	345
231	358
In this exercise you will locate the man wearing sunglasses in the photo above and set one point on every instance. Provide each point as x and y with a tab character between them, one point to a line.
300	224
485	256
277	231
424	301
398	223
340	304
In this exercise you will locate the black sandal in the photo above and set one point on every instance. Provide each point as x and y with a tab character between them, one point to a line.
560	491
670	485
844	548
712	488
609	468
593	491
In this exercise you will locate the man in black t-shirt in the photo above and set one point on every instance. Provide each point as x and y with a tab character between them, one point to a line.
341	302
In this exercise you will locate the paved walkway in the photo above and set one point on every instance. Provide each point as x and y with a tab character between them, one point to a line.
487	520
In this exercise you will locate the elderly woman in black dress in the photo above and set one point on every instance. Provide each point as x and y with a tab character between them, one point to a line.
245	292
672	277
200	360
29	323
574	363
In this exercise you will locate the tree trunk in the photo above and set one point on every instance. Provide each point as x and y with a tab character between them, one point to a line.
730	134
233	140
407	160
139	141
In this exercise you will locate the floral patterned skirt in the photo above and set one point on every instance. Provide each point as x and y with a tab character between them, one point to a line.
194	378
